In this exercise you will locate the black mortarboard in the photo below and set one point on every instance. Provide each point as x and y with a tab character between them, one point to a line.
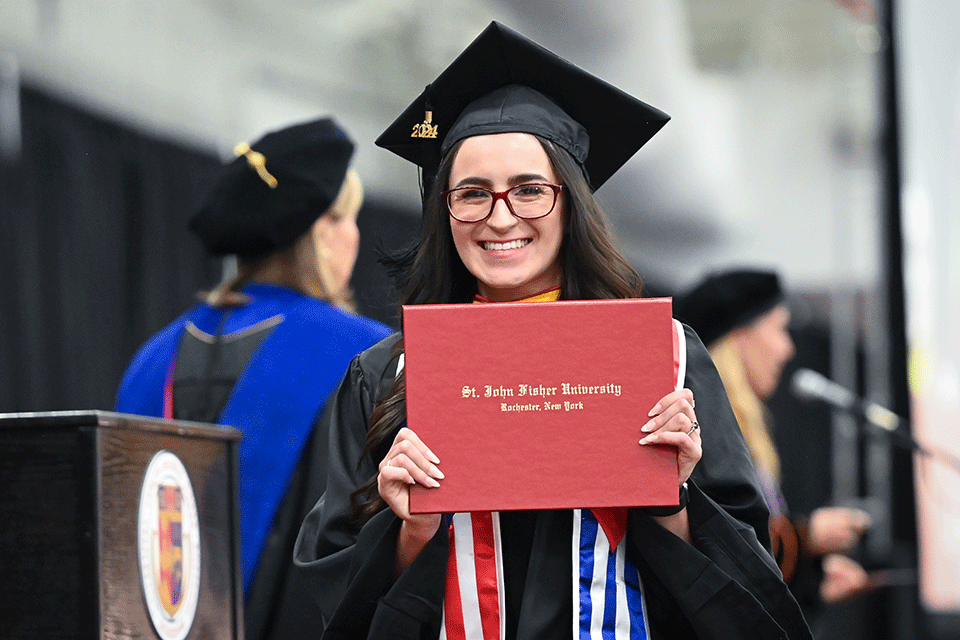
504	82
726	300
275	189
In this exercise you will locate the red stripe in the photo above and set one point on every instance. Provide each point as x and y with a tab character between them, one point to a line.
676	351
486	566
613	521
452	606
168	393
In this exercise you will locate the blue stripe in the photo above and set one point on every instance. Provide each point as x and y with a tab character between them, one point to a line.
588	536
638	630
609	631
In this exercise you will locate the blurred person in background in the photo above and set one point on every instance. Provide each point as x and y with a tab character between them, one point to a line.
265	348
742	317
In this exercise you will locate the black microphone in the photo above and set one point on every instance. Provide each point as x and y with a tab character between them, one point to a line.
807	384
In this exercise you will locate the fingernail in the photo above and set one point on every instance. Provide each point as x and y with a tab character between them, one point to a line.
647	439
649	426
433	483
436	473
432	458
656	409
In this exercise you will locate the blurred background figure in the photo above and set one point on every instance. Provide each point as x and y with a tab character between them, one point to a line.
742	317
266	347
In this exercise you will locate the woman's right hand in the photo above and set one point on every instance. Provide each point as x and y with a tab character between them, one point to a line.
409	462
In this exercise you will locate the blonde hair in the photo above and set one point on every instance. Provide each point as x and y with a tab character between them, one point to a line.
347	204
750	410
350	198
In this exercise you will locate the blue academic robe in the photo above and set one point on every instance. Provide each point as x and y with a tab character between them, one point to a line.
277	398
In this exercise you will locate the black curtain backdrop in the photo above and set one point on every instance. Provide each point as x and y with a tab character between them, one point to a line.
97	256
95	251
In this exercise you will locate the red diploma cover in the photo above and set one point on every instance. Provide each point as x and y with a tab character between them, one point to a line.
539	405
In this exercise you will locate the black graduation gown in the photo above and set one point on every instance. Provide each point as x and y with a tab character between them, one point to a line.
725	585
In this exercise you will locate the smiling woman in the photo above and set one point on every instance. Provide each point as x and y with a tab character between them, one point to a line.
518	140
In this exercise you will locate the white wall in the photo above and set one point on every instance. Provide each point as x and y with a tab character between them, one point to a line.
748	170
930	103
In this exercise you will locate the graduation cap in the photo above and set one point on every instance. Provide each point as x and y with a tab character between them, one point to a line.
275	189
504	82
725	300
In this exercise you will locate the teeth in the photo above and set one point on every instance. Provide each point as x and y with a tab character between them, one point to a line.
503	246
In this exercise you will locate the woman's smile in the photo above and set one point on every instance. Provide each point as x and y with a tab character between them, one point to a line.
505	246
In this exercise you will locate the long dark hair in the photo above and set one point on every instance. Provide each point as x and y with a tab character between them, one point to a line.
431	272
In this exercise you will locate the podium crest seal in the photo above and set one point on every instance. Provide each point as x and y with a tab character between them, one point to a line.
168	544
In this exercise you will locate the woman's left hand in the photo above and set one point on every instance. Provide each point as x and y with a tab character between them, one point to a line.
843	578
673	421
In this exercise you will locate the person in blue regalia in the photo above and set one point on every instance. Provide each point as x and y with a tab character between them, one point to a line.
512	142
266	348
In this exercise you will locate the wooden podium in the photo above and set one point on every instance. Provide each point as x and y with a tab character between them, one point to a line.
118	526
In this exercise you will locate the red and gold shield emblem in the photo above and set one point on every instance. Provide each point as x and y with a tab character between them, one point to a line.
168	535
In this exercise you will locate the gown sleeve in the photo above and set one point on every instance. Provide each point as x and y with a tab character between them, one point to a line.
351	569
726	471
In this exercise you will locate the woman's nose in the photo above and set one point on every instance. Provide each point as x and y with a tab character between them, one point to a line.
789	348
501	217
